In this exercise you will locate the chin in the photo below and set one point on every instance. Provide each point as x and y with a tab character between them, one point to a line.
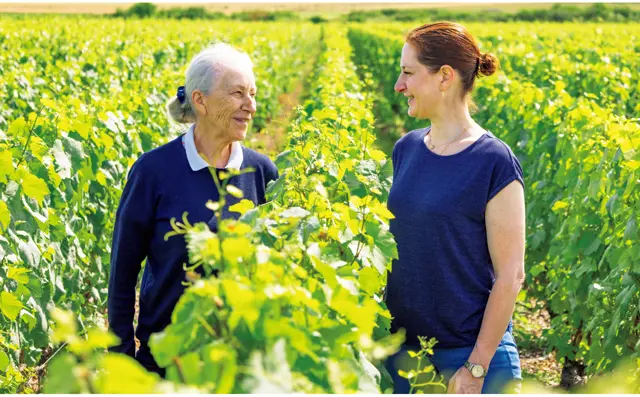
240	135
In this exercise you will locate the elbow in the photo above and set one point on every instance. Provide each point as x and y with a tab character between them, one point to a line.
513	281
519	280
519	276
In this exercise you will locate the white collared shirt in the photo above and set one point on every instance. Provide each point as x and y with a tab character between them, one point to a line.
196	161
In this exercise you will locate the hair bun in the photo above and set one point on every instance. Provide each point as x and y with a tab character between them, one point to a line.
488	64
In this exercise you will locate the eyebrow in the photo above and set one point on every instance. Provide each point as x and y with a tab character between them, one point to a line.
241	87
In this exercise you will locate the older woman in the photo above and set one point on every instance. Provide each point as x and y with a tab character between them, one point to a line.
218	98
458	202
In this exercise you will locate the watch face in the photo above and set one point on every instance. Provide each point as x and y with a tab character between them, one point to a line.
477	371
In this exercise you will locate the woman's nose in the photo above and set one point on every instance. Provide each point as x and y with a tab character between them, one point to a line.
400	86
250	106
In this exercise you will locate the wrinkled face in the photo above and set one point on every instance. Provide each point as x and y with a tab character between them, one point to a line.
232	103
418	84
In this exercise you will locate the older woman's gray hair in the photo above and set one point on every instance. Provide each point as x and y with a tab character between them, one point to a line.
202	74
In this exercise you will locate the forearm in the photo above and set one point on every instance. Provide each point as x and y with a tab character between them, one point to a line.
496	318
121	298
121	313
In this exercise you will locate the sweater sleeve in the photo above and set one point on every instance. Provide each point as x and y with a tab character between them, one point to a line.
271	172
131	238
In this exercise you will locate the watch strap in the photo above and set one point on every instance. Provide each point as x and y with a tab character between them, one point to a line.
468	365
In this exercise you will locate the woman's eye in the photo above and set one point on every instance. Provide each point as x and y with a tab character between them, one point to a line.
407	73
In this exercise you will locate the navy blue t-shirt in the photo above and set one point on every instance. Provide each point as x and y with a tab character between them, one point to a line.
161	185
440	284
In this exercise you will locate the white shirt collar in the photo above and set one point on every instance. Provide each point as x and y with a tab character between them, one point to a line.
196	161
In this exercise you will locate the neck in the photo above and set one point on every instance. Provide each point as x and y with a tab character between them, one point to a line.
211	143
450	124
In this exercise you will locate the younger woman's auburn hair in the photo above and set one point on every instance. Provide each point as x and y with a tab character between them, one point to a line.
448	43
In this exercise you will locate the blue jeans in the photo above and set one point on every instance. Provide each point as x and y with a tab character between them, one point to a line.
504	370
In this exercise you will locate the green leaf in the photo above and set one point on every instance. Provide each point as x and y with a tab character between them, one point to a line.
369	281
62	375
220	360
19	274
100	339
82	129
35	286
10	305
29	319
537	269
237	249
17	127
630	231
6	164
165	345
34	187
368	375
191	367
29	253
73	148
5	215
66	327
558	205
270	374
62	160
4	361
242	207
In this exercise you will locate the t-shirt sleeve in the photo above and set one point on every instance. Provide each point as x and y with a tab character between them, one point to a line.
506	170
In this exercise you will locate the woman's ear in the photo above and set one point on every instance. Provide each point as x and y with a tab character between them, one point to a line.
447	76
197	98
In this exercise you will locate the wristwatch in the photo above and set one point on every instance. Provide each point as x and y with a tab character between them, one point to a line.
477	371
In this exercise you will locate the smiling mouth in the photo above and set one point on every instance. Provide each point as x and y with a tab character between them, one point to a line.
242	121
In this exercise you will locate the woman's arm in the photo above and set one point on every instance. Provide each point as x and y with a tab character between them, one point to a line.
131	238
505	222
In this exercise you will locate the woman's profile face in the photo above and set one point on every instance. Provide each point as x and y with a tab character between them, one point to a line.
232	104
418	84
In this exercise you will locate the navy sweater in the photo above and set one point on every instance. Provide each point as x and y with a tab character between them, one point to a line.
440	284
161	185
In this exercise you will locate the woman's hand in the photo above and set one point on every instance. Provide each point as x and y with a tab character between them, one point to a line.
463	382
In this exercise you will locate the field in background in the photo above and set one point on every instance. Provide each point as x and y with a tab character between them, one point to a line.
305	9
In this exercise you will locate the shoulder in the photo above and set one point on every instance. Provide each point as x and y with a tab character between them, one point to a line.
159	157
497	150
409	139
258	161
